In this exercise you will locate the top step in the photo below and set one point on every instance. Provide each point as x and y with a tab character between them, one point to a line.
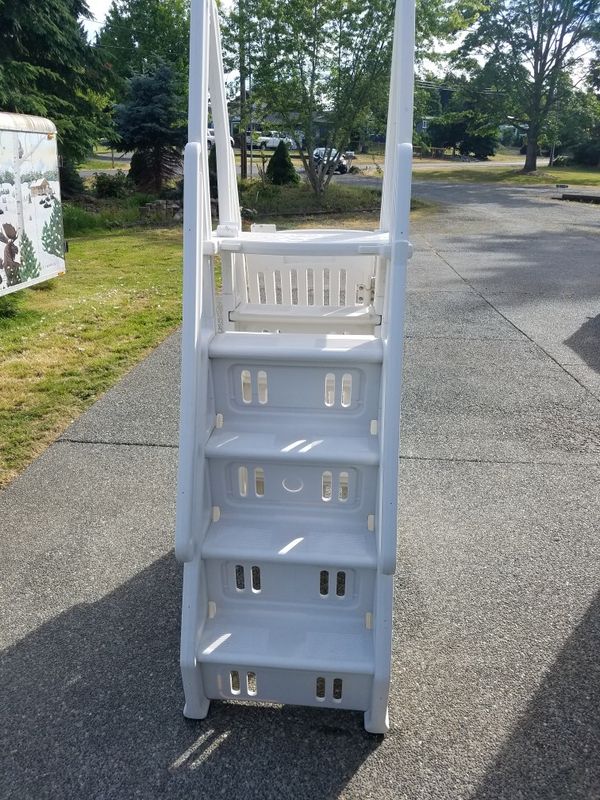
318	348
320	241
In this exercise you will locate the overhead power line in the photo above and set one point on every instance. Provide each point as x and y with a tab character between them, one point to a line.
423	84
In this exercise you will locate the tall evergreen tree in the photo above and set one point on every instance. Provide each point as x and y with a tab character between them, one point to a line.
151	123
49	68
139	34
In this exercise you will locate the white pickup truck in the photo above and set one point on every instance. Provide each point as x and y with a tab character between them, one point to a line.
271	141
211	138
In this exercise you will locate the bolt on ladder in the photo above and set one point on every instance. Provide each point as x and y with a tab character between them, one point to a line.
290	401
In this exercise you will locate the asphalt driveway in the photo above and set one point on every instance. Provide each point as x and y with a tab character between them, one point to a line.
496	680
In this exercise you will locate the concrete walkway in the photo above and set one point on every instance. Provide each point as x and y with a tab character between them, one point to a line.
496	684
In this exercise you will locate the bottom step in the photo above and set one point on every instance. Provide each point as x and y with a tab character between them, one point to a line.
287	686
294	640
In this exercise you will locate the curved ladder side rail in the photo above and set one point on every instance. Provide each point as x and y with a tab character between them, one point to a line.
198	302
395	219
392	333
229	206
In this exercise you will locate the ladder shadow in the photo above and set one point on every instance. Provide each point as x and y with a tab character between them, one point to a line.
91	705
586	342
554	753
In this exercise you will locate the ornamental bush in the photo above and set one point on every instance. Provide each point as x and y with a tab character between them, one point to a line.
280	169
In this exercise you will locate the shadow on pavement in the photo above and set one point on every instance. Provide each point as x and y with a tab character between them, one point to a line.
586	342
555	752
91	708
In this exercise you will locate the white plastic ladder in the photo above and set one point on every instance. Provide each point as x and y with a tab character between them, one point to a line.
286	512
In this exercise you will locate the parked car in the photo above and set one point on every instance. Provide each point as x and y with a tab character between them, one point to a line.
270	141
342	164
210	139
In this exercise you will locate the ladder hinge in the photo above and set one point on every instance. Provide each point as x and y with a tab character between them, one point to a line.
372	290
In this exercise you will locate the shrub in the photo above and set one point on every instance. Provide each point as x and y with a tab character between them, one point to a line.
266	199
280	170
78	220
110	185
9	306
71	184
587	153
563	161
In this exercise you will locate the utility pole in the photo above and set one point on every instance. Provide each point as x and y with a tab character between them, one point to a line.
243	77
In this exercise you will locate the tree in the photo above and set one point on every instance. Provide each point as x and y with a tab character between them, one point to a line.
280	169
150	122
53	237
49	68
308	69
30	266
530	44
137	35
323	65
471	115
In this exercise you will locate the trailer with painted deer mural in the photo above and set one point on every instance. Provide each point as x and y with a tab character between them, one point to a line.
32	243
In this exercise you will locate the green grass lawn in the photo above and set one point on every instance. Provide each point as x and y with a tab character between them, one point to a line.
69	340
575	176
99	165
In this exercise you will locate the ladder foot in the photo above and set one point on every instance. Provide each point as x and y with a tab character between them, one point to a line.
376	724
197	709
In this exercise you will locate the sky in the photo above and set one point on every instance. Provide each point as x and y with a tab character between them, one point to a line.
98	9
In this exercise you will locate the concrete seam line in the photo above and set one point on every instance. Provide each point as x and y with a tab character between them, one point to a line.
64	440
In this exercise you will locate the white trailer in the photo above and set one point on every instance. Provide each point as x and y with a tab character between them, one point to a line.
31	228
290	410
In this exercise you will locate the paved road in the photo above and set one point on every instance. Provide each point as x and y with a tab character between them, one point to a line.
496	682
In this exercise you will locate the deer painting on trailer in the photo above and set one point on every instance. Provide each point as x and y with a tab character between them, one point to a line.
31	229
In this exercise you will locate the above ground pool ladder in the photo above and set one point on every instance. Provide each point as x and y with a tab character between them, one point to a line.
286	512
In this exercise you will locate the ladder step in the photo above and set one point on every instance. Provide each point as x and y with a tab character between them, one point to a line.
348	317
311	687
294	640
289	542
302	242
292	347
292	448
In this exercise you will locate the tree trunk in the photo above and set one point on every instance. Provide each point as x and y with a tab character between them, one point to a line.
532	149
243	77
